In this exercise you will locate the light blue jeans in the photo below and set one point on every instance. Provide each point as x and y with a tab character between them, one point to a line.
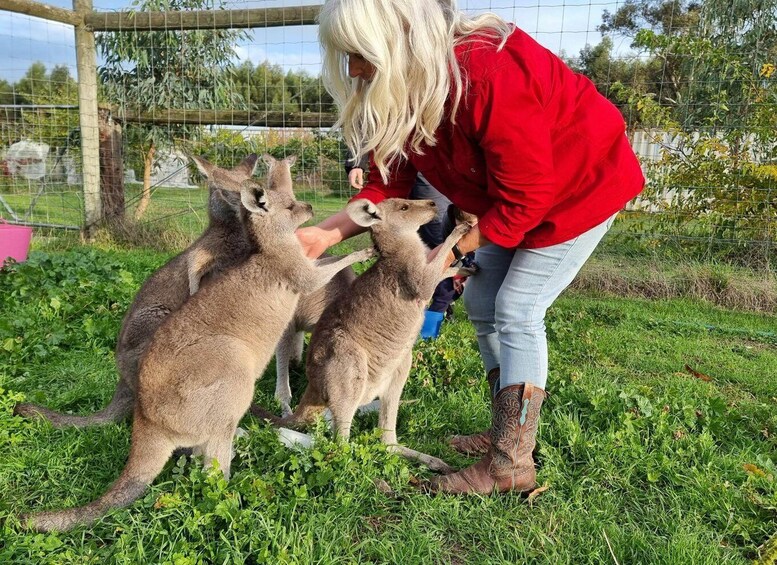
507	300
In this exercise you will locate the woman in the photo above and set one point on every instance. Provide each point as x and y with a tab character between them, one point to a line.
509	133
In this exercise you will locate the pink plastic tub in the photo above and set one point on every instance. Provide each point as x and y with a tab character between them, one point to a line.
14	242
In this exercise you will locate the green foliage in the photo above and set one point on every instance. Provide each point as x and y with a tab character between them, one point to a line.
641	458
711	190
150	70
265	87
6	92
668	17
49	294
40	86
319	164
702	61
711	85
620	79
628	79
716	185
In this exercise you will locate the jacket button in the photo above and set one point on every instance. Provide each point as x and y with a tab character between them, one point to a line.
473	170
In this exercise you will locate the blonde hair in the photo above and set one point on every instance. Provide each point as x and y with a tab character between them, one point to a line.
411	45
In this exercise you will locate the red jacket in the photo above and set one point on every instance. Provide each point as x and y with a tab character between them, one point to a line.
536	153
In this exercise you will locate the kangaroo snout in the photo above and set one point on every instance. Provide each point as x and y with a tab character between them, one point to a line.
303	211
431	211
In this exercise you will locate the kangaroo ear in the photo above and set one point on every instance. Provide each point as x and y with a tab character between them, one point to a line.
247	166
254	198
291	159
269	160
206	167
363	212
229	198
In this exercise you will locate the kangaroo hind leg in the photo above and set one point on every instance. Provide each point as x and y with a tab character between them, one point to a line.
387	420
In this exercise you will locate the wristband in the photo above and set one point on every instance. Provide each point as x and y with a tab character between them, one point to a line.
457	252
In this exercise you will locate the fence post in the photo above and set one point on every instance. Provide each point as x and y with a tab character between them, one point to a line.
111	166
86	61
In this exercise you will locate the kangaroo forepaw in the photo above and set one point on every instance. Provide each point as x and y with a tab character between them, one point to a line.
460	230
365	254
467	271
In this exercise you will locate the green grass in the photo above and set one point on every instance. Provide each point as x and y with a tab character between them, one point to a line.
644	463
179	209
179	214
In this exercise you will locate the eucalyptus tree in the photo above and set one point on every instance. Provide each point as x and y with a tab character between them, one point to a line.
35	90
712	55
718	97
153	71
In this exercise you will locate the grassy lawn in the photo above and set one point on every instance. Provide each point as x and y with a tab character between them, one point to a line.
644	462
58	204
181	209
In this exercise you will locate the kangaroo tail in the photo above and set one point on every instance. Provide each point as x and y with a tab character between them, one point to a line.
118	409
310	406
149	452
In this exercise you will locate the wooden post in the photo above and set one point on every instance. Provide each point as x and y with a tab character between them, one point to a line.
111	167
86	61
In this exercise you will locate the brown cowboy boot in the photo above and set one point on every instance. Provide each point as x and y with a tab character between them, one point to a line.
478	444
508	465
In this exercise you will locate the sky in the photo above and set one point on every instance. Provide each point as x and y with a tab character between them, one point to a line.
559	25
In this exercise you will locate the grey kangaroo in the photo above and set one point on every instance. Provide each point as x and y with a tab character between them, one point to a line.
222	245
197	378
310	306
361	348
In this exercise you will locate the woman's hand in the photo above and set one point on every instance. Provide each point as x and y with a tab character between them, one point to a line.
314	241
356	177
336	228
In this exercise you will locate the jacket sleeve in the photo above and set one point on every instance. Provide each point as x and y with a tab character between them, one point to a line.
401	179
511	127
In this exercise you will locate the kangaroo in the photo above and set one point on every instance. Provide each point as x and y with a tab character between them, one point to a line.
210	255
310	306
361	348
197	378
221	245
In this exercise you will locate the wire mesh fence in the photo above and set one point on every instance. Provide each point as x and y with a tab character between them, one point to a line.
695	82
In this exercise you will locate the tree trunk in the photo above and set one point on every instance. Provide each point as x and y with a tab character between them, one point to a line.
111	167
145	196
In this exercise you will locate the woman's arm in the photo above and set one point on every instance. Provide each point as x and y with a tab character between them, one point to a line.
334	229
338	227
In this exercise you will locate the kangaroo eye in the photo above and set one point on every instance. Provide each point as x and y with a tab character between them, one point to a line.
404	208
